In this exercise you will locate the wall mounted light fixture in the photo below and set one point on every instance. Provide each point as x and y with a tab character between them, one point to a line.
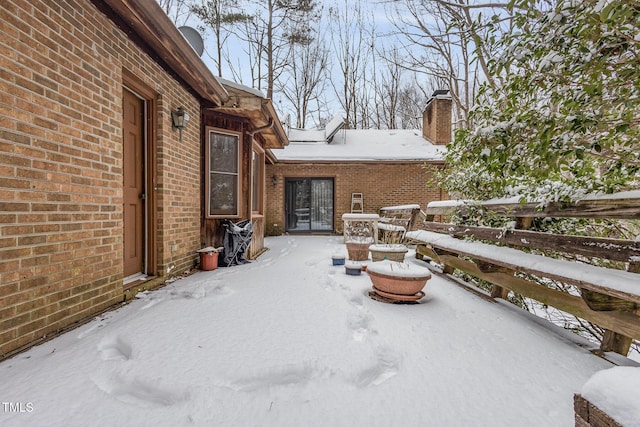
274	180
179	119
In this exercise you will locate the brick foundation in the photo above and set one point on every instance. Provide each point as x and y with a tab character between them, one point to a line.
588	415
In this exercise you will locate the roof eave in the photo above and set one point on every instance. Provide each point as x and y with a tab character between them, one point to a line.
258	110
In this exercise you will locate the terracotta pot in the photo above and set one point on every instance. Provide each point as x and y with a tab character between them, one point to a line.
208	261
405	280
358	251
397	285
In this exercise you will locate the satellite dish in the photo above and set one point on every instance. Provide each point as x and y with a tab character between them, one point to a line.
194	38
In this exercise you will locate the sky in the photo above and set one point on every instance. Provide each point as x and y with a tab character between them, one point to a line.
376	10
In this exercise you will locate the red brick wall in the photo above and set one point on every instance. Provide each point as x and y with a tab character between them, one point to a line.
61	237
382	184
436	120
589	415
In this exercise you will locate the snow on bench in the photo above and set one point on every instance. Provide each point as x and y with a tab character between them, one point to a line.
617	283
608	297
396	220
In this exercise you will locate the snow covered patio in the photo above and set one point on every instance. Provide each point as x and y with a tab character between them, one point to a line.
291	340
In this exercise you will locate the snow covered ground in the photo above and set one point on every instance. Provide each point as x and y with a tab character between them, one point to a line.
291	340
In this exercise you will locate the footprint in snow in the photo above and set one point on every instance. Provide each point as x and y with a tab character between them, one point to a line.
140	392
221	290
186	294
386	366
357	301
360	325
289	374
330	282
152	299
114	349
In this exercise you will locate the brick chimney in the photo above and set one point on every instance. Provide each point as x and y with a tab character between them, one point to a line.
436	118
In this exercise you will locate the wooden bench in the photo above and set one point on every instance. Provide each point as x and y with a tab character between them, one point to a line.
605	296
395	221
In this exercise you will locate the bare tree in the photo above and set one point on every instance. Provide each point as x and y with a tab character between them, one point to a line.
269	28
400	99
388	84
304	80
412	99
275	26
451	42
254	35
352	45
220	16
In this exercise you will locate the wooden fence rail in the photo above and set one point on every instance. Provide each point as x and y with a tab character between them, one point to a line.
511	259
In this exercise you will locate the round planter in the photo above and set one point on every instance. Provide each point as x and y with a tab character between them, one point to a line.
398	278
390	252
358	251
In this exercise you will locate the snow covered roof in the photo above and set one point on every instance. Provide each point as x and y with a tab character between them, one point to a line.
360	145
240	86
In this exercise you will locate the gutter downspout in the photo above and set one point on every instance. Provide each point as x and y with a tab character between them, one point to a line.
263	128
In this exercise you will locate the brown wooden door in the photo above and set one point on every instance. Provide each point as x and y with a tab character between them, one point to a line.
134	184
